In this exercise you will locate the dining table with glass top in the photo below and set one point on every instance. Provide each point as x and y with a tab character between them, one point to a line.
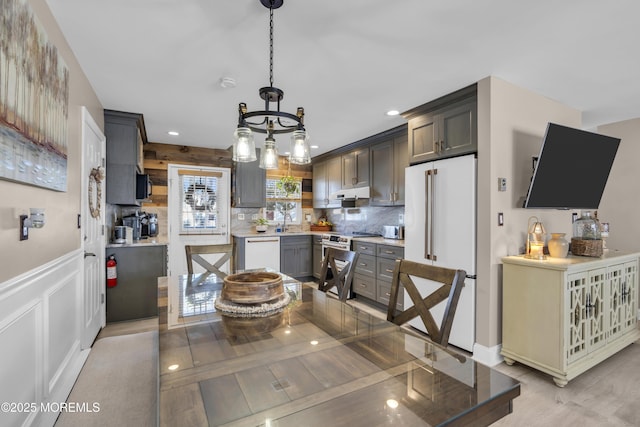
315	361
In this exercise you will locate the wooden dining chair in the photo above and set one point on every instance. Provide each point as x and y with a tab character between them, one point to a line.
195	252
452	282
341	278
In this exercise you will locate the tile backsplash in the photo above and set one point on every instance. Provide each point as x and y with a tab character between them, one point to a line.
345	220
363	219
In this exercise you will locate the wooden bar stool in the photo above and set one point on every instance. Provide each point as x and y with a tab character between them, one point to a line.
452	282
195	252
341	278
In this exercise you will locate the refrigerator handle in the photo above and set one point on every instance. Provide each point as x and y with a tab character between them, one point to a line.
429	209
434	172
427	215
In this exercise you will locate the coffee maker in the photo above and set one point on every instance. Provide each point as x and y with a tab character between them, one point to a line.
134	222
149	224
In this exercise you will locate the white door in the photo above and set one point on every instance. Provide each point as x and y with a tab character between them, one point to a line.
92	232
199	211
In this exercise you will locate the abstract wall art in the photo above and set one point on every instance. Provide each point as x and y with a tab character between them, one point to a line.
34	101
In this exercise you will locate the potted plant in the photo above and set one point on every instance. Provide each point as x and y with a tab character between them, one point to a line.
288	185
262	224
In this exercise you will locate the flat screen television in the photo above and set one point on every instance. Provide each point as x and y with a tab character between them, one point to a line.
572	169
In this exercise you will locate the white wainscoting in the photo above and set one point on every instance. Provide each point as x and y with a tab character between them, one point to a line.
40	333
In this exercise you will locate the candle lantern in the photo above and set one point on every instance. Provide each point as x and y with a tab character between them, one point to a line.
535	239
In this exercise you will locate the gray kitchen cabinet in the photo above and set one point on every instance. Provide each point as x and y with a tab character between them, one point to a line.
327	179
317	255
136	294
388	162
355	168
249	184
125	134
386	256
443	128
364	278
296	257
374	271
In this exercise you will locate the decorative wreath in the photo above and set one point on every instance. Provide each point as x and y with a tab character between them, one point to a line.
95	179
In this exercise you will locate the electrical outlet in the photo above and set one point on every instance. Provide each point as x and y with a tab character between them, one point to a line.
502	184
401	218
254	217
240	217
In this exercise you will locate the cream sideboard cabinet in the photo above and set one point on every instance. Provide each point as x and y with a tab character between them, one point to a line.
562	316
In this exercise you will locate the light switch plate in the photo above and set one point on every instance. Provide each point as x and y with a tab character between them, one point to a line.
240	217
24	230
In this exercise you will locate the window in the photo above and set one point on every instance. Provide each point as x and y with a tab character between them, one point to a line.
278	203
199	212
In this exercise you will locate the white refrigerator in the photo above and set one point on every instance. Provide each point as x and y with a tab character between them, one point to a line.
440	229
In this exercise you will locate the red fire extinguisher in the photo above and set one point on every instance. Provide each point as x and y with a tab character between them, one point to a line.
112	273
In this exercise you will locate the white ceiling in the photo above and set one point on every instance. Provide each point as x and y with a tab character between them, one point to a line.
346	61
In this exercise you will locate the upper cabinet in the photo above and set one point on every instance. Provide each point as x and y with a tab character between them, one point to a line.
444	128
388	162
126	134
249	184
355	168
327	179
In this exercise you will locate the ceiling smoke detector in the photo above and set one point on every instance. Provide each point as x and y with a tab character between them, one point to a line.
227	82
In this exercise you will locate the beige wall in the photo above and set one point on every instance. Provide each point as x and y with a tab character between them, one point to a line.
511	126
61	234
620	204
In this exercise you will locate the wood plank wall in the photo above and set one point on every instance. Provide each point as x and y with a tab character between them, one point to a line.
157	157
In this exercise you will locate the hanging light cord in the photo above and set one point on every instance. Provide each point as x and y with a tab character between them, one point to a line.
271	45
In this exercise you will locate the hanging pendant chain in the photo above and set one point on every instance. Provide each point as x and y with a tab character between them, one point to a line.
271	45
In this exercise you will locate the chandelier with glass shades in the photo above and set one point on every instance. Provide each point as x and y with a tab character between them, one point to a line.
270	121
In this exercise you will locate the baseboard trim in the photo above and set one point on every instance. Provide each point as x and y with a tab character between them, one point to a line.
489	356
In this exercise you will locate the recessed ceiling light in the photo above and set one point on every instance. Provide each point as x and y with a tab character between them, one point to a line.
173	133
314	146
393	112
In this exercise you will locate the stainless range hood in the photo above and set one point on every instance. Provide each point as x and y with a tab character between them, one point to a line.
349	196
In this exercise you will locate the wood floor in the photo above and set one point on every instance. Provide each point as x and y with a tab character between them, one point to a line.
604	396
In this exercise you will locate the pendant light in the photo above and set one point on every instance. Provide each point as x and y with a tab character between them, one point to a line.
269	154
270	121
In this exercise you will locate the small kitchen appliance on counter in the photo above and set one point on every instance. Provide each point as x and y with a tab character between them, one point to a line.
149	225
119	234
134	222
393	232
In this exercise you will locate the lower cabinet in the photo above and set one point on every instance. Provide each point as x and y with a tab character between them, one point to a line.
136	295
563	316
374	271
296	256
317	255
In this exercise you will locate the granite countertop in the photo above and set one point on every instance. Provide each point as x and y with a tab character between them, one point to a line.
272	233
151	241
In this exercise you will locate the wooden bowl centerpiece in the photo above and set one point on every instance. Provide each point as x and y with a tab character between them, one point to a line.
252	326
252	287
